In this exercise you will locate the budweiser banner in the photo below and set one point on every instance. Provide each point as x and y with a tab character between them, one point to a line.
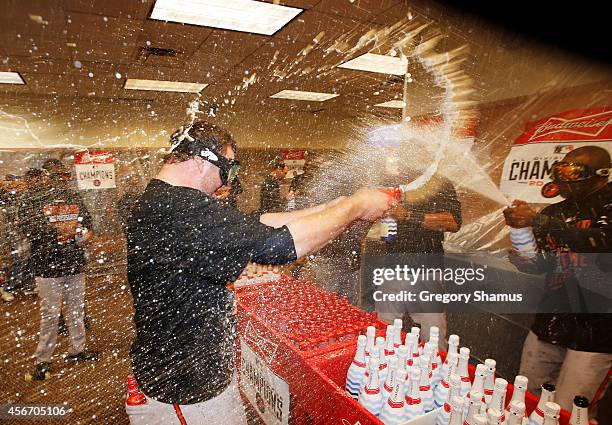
295	160
94	170
547	141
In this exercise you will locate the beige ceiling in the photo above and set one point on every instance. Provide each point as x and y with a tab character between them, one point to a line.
44	39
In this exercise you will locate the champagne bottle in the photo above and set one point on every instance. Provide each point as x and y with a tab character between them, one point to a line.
580	411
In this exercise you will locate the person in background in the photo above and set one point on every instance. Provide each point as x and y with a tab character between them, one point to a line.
18	277
270	199
184	249
36	181
572	350
6	287
58	226
128	200
230	193
423	216
295	196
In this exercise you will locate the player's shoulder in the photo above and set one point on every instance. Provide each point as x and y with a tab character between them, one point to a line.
554	209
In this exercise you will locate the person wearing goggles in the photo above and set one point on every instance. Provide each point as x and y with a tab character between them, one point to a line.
209	150
572	172
561	347
185	247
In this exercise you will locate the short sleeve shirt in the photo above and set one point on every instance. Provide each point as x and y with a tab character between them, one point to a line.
183	249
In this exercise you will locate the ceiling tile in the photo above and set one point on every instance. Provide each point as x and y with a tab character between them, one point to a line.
310	24
271	60
184	39
225	49
301	4
185	74
50	84
105	51
361	10
84	27
15	88
132	9
35	17
16	44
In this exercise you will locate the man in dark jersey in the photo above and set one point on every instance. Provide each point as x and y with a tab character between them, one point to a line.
423	216
58	225
573	350
270	199
184	246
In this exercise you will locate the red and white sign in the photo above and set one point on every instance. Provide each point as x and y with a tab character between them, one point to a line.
267	392
547	141
295	160
94	170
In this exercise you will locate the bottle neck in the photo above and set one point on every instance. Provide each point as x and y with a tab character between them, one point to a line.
545	397
463	367
389	347
518	394
455	417
580	416
478	385
455	390
473	410
550	420
390	380
373	379
414	388
424	380
411	348
498	400
515	420
360	354
398	391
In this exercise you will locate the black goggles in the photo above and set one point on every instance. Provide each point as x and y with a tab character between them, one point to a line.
571	172
228	169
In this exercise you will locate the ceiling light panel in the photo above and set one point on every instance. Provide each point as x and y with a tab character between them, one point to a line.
238	15
303	95
156	85
382	64
10	78
392	104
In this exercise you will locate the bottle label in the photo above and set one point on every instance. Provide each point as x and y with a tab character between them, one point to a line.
388	229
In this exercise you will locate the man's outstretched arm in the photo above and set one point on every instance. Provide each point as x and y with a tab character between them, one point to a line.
281	219
313	231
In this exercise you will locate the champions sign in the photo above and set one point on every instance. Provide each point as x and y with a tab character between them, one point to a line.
94	170
267	392
547	141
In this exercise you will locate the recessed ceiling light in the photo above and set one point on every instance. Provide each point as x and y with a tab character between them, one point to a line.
10	78
377	63
392	104
238	15
156	85
303	95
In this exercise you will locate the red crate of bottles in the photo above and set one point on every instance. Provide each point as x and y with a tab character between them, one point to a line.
308	337
306	317
331	400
